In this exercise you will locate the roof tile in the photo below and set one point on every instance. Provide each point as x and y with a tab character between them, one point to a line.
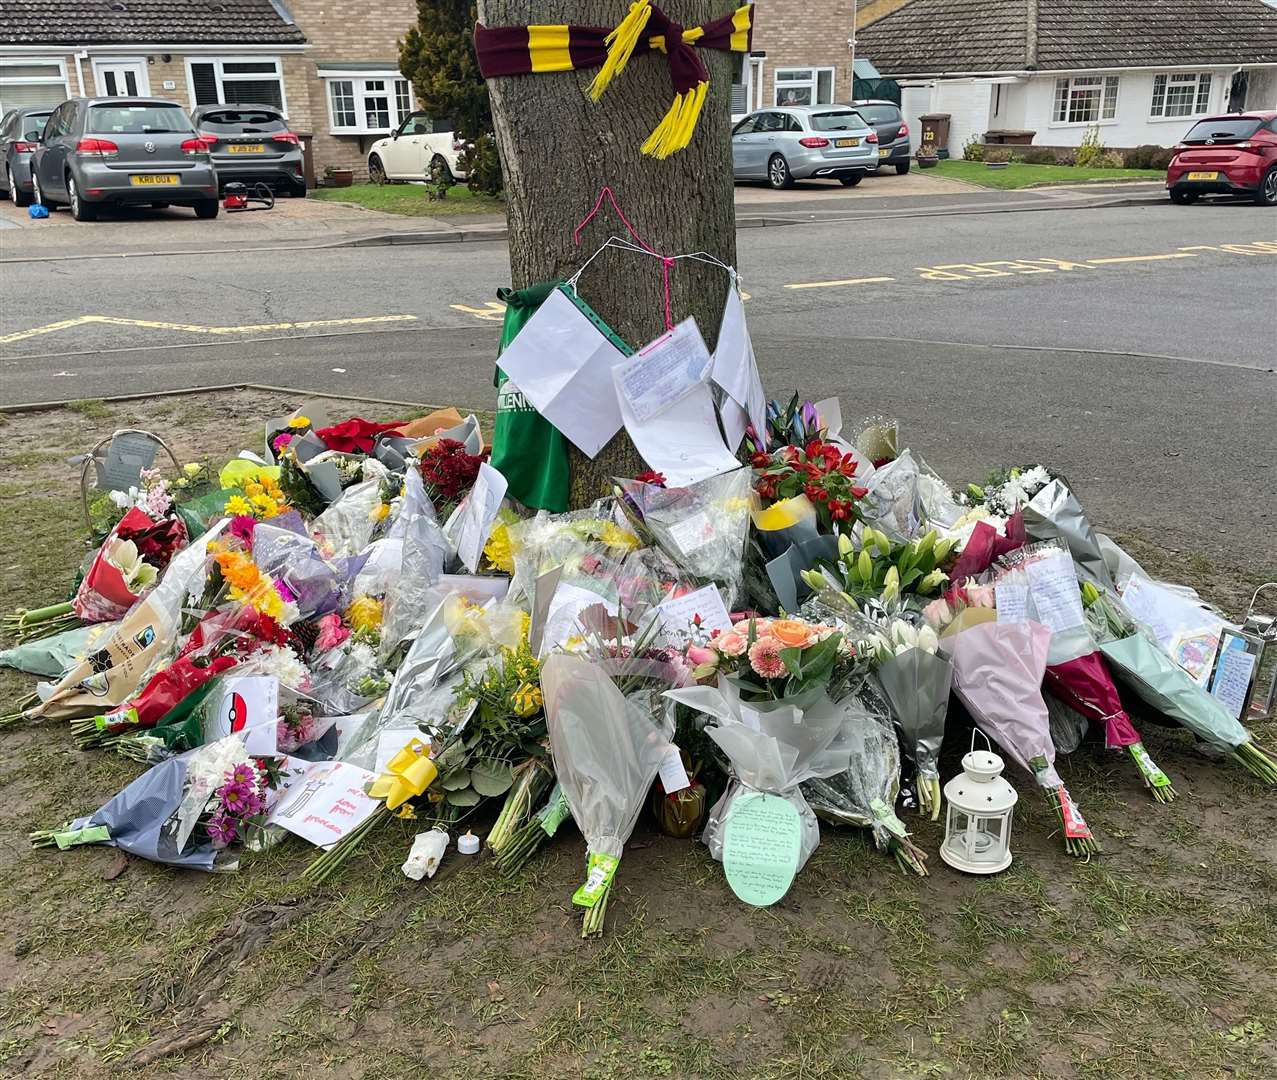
170	22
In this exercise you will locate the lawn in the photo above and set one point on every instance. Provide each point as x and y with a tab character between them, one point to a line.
412	200
1153	961
1022	176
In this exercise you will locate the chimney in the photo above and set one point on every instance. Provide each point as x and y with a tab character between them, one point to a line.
1031	34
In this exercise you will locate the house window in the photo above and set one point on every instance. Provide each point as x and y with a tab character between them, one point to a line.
1086	99
368	104
1183	94
233	81
804	86
32	82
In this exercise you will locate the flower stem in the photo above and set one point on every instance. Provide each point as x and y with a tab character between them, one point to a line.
592	923
332	860
1255	761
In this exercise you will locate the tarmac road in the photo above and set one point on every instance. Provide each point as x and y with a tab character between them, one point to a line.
1133	347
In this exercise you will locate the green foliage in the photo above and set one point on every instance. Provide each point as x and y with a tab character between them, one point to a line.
1110	159
1039	155
438	180
483	166
1091	149
437	55
973	149
1149	157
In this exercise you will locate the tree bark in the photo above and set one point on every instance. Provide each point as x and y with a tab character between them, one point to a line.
559	149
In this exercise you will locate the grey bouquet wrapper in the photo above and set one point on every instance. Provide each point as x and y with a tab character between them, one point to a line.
139	817
1055	514
1163	684
917	685
784	570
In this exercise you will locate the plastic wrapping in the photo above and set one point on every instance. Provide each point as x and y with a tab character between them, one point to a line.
791	744
347	526
319	585
701	527
917	685
1054	513
894	504
50	657
422	553
607	750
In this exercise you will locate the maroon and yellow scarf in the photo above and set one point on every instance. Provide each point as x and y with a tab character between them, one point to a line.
526	50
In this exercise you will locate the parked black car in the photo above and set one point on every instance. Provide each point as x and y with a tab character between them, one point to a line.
20	131
888	121
251	144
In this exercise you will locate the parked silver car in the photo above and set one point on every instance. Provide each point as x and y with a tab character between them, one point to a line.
19	135
123	151
804	142
252	144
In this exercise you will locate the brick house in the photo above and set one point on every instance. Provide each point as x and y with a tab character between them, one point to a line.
801	55
331	65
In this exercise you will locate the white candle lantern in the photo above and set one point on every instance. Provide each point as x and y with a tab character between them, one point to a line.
977	838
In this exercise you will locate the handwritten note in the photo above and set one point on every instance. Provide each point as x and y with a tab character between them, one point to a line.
665	371
325	803
672	773
1053	586
1233	675
1166	612
762	843
691	533
1012	601
694	615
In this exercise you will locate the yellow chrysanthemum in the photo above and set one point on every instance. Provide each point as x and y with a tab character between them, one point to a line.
379	512
253	488
264	505
616	537
364	614
237	505
526	699
299	422
499	551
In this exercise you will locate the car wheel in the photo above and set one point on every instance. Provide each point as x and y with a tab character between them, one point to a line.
1183	198
778	175
439	166
19	197
851	181
207	208
80	210
902	168
1267	193
376	170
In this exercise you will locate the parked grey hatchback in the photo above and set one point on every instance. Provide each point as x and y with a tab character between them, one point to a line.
804	142
19	135
126	152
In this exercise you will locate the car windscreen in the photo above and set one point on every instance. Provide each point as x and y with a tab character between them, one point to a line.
1227	129
138	120
242	121
835	121
33	125
879	114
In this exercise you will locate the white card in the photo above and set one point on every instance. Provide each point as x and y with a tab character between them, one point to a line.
735	368
563	364
679	614
250	705
664	371
1232	679
673	776
682	443
326	802
478	515
734	419
1012	601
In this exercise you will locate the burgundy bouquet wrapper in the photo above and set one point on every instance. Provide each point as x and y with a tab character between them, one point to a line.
1087	685
985	547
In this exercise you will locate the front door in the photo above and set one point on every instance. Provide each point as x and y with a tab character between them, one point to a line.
121	78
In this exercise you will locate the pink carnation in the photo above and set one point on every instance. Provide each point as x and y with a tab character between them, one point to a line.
331	632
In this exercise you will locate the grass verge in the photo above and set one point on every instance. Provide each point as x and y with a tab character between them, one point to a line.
1022	176
412	200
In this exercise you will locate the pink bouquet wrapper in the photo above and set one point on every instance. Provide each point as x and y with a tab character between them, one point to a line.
1086	684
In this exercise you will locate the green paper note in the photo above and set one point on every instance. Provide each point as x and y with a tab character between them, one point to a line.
762	843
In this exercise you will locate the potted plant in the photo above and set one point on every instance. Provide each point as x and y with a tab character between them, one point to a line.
927	156
339	177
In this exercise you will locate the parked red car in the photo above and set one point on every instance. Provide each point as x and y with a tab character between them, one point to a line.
1227	155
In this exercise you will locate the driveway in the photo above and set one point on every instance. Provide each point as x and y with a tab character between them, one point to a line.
885	184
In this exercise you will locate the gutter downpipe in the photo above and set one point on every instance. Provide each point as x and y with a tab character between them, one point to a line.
79	71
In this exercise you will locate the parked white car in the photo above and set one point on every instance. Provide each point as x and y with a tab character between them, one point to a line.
409	152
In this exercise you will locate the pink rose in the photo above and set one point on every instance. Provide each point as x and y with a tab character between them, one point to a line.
331	632
731	643
937	613
981	595
698	654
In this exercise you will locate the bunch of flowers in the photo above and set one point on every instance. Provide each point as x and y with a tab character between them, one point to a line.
296	727
819	470
297	427
449	472
262	498
1009	490
899	639
775	658
240	799
152	496
885	570
249	586
364	617
796	423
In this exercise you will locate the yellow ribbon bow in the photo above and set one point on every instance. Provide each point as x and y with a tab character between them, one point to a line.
407	774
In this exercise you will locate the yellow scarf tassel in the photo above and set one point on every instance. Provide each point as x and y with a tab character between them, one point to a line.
675	129
620	45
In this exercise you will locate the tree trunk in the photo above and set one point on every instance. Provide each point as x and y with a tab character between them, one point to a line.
559	149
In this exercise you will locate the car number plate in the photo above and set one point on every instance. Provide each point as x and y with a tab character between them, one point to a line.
247	148
884	151
1203	176
147	179
846	142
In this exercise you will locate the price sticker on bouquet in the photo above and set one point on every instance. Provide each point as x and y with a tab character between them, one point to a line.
762	843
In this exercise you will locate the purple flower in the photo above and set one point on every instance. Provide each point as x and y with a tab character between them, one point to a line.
222	830
234	797
243	773
285	593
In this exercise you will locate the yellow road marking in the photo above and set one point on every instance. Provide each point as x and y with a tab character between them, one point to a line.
1200	247
1142	258
845	281
494	311
191	328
